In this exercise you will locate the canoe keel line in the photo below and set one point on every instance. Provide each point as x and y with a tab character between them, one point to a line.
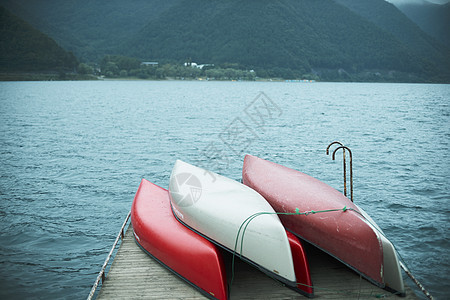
349	235
180	248
264	222
303	284
173	245
218	215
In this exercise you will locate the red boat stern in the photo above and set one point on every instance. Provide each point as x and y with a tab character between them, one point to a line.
188	255
301	266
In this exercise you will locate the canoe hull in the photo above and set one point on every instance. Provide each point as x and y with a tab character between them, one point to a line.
179	249
301	266
348	236
219	211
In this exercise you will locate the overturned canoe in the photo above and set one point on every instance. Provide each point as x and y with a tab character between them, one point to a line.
348	234
182	251
221	209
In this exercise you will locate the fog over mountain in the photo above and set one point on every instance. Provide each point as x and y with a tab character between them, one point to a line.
403	2
432	16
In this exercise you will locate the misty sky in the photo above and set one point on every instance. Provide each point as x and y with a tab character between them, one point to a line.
418	1
438	1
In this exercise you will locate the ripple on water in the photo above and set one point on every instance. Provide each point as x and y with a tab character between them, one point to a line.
73	154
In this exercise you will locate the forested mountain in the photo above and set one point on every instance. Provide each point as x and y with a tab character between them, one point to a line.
88	28
386	16
434	19
24	48
331	39
303	35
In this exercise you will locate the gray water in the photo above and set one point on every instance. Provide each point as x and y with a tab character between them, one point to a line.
72	155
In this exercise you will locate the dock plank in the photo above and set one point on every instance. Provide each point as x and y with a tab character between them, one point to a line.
136	275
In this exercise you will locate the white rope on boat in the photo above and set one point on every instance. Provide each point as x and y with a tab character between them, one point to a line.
419	285
101	275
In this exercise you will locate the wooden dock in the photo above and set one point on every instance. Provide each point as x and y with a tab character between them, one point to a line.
135	275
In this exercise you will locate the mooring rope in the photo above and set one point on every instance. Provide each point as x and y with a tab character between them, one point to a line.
297	212
255	215
247	221
402	261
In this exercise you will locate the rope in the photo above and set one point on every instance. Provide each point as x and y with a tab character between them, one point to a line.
250	218
417	282
247	221
403	264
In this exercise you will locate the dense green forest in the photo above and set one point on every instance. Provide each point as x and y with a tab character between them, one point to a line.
88	28
117	66
339	40
304	36
384	15
24	48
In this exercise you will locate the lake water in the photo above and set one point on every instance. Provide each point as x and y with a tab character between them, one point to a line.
72	155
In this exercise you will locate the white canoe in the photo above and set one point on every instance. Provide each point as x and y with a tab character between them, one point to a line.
216	207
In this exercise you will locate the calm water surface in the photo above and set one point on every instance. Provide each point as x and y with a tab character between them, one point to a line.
72	155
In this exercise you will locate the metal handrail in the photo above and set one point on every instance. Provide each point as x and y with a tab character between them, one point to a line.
345	172
101	275
403	266
351	167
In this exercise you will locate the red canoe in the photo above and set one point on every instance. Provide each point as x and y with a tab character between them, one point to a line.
182	251
301	267
350	236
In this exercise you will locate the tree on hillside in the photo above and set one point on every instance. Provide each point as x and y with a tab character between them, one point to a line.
24	48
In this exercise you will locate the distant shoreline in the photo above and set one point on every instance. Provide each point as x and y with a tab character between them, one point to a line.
52	76
78	77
